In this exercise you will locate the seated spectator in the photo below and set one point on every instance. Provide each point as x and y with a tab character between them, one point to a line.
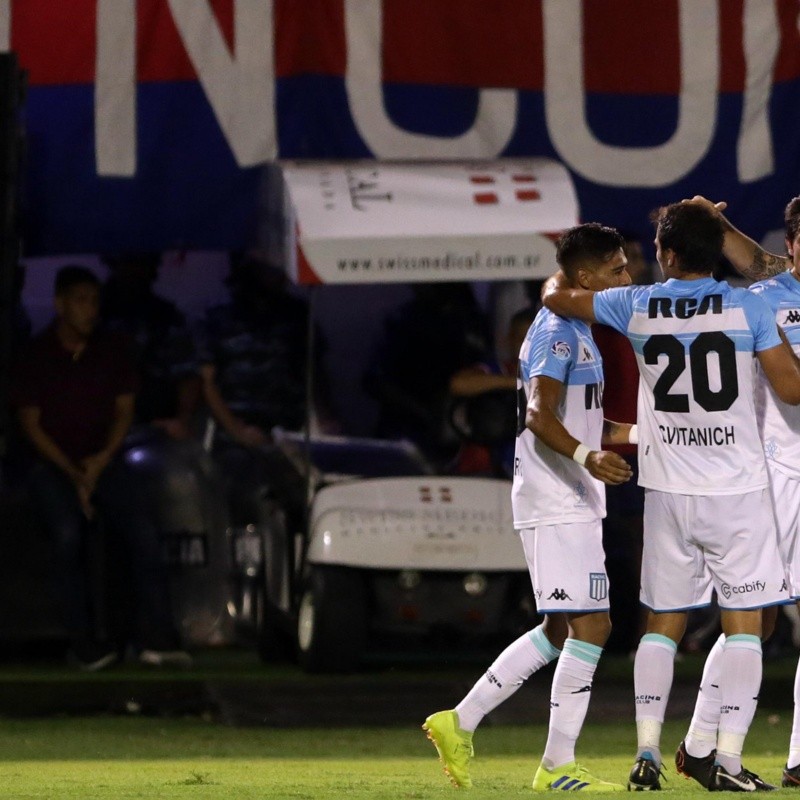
74	390
440	331
160	342
495	381
253	369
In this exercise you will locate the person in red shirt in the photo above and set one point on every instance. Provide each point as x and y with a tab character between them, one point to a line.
623	525
74	390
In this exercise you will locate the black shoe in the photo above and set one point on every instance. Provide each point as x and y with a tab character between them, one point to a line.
644	776
761	785
745	781
791	776
699	769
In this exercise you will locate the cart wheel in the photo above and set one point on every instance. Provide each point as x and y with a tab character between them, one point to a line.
332	620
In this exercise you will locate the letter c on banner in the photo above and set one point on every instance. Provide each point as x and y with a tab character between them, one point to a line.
565	100
494	122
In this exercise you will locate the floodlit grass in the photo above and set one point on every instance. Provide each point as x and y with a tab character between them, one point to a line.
140	757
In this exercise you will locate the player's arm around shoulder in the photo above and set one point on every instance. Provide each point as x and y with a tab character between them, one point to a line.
541	419
747	256
617	433
566	301
782	369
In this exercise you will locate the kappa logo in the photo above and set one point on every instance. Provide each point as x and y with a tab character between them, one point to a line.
559	594
792	318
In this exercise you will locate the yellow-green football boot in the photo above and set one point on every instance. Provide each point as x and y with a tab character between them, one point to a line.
571	777
453	745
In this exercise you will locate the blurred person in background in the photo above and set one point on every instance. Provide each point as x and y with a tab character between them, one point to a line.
623	524
160	342
486	415
440	331
253	366
74	391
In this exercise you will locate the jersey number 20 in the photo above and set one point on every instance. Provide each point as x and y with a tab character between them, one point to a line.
699	350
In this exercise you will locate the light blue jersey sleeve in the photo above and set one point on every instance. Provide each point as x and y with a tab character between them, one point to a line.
761	319
553	351
614	307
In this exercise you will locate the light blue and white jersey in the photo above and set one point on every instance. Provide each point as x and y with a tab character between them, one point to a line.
695	343
551	489
780	422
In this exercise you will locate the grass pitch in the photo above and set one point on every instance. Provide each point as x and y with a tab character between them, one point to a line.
145	757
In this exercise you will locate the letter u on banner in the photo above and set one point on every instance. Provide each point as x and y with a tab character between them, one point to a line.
494	122
565	100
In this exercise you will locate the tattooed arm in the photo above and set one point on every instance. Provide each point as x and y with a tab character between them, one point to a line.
747	257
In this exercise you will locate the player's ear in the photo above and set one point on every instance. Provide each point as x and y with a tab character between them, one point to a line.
584	278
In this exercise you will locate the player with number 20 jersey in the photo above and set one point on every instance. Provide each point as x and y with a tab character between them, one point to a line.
695	342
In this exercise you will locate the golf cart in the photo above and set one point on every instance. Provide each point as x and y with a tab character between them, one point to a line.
390	549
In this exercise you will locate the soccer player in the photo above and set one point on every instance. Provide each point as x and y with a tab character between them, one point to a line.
708	522
780	430
558	503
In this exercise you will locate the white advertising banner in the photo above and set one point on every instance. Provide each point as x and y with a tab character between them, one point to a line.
384	222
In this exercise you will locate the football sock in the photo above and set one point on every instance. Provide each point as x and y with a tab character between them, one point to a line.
652	681
510	669
702	736
740	681
794	741
569	700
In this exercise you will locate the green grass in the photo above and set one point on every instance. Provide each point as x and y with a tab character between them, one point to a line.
140	757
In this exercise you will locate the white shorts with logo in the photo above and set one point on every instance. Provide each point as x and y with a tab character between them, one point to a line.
567	566
694	543
785	492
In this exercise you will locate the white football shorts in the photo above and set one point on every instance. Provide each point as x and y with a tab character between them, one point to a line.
785	492
695	543
567	566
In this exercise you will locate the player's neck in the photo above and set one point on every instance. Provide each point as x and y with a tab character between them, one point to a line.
683	275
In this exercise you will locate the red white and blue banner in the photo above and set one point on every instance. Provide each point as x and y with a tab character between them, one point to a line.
150	121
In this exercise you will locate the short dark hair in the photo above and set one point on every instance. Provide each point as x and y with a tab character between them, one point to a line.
791	218
73	275
588	242
693	233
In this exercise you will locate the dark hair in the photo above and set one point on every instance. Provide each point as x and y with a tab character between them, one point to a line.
584	243
72	275
791	218
693	233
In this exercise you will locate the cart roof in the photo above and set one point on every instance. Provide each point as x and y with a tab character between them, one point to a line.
392	222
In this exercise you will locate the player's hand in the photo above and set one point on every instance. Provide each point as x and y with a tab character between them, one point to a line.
608	467
699	200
